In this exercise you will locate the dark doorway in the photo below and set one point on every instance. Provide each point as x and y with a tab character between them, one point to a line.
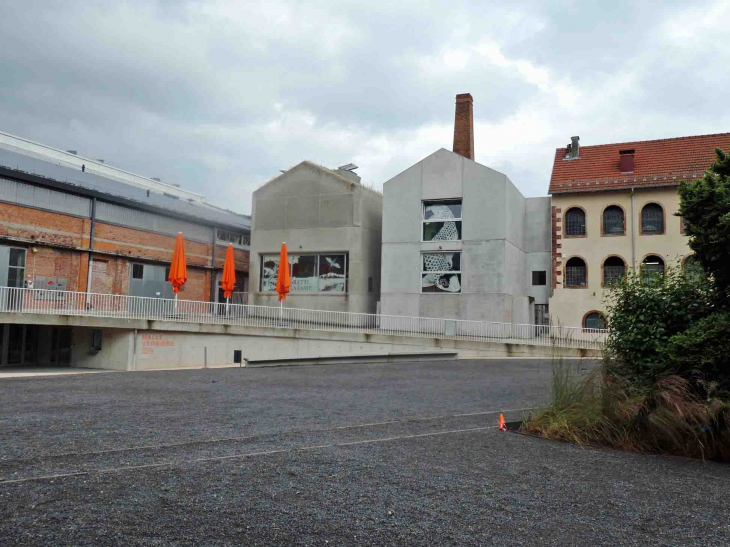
19	344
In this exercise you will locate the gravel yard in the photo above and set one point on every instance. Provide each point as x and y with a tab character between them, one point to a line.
333	455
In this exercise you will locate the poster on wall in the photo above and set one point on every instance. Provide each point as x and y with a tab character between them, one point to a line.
270	271
304	273
332	273
441	272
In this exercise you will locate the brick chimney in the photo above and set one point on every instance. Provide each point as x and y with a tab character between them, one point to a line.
464	126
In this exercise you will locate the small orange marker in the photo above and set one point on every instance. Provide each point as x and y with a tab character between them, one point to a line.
502	424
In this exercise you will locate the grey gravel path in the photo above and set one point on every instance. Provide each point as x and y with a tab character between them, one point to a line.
337	455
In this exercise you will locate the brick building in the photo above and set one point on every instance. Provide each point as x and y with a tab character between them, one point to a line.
613	210
77	224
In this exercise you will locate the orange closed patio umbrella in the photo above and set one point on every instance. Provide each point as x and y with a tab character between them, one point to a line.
283	279
178	269
228	282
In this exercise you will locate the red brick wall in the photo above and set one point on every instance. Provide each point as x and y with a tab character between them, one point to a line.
49	262
142	244
43	230
39	226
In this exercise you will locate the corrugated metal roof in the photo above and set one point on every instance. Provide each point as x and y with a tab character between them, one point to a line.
116	189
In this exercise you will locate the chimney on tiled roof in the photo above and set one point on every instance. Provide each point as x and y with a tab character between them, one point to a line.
573	149
464	126
626	159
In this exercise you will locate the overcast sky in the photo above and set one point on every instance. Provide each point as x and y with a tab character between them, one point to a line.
218	96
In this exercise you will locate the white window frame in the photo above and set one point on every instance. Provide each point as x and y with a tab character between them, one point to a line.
425	202
424	272
318	254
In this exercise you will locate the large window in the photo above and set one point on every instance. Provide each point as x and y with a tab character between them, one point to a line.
575	222
594	320
16	267
652	269
652	219
613	221
441	220
310	273
575	273
614	270
441	272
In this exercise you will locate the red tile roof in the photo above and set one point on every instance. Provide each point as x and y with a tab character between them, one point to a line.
656	163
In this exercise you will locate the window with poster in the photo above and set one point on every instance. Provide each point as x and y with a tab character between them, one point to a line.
310	272
441	220
441	272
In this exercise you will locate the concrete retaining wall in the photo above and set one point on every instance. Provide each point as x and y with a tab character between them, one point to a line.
161	344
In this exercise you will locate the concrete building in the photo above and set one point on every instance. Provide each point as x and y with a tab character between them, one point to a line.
332	226
613	209
460	241
70	223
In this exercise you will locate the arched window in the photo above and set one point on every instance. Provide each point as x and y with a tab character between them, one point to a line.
575	273
594	320
613	221
575	222
614	270
692	268
651	268
652	219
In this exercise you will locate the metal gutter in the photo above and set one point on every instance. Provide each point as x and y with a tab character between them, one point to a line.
213	286
633	228
91	248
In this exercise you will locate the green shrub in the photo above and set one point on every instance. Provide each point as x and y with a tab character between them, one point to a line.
702	353
643	316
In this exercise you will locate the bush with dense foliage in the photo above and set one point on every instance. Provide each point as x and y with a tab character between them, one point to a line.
701	354
643	317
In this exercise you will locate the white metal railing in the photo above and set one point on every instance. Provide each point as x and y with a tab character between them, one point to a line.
40	301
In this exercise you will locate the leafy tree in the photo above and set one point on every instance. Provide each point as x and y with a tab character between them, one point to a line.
704	205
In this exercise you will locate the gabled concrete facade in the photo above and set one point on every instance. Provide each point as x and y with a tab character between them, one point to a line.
325	212
504	238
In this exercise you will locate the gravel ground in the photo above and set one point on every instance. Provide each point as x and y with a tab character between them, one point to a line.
337	455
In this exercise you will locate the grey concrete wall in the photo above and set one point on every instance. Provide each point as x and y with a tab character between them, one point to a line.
538	246
316	210
117	349
514	207
162	344
538	225
500	231
538	262
188	349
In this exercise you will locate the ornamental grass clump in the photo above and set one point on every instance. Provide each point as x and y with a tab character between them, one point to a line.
598	408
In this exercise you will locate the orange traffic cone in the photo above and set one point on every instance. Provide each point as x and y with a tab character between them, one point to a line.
502	424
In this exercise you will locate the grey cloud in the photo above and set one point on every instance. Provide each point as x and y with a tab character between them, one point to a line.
219	97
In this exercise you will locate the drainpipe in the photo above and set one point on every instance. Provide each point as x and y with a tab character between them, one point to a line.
91	247
213	287
633	229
